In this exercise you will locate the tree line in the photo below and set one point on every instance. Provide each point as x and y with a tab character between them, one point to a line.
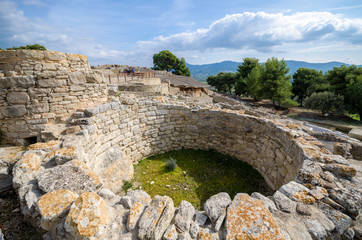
338	90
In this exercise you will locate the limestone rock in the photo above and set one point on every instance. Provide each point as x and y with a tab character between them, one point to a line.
27	168
348	234
18	98
216	205
194	230
184	216
156	218
53	207
88	217
297	192
134	215
170	233
46	147
283	202
318	193
341	170
350	199
73	175
77	78
13	111
315	229
62	155
200	218
292	227
269	203
303	209
118	172
184	236
208	234
249	218
342	150
139	196
106	193
340	220
356	133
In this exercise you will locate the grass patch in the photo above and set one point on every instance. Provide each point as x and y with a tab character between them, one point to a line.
197	176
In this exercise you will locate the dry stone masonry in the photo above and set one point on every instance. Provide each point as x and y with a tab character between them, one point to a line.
68	186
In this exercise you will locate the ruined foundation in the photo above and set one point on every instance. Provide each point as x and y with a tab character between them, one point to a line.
67	186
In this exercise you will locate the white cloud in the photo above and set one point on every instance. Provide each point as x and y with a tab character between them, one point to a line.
262	31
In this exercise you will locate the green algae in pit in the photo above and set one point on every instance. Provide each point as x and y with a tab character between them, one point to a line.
199	175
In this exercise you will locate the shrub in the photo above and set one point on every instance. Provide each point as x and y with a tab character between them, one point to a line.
126	185
289	103
325	102
171	164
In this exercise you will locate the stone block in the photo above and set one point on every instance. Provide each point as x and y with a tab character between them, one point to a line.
13	111
77	78
52	82
17	97
249	218
38	108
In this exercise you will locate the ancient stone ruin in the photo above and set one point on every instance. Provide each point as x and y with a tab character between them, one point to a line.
87	135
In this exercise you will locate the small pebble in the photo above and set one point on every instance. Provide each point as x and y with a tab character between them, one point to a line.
168	185
16	210
152	182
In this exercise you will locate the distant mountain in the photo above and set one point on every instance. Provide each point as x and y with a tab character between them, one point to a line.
201	72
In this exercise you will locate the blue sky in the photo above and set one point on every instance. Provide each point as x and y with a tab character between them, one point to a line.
130	32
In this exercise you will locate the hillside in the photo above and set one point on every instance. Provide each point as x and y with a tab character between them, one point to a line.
201	72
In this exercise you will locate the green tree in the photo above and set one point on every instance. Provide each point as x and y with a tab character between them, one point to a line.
325	102
223	82
342	80
29	47
354	96
307	81
165	60
182	69
274	80
243	71
252	83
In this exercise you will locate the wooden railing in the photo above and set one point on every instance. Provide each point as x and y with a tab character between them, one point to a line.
125	77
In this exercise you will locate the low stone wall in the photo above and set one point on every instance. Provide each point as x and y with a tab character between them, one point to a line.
39	87
141	129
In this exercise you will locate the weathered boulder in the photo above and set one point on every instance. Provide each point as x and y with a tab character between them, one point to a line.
27	168
62	155
315	229
341	170
215	206
200	218
340	220
13	111
54	206
249	218
342	150
106	193
88	217
208	234
46	147
73	175
283	203
134	215
296	192
269	203
350	199
356	133
18	97
77	78
184	216
156	218
139	196
170	233
194	230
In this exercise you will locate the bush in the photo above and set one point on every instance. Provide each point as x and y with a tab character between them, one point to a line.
126	185
171	164
325	102
30	47
289	103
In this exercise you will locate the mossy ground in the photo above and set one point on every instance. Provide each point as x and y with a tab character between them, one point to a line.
198	175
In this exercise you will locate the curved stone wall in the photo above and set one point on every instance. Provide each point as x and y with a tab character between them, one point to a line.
141	129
